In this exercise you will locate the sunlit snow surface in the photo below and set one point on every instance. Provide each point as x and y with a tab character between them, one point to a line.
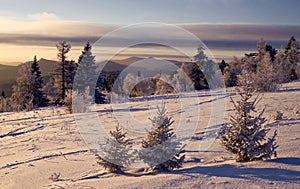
36	144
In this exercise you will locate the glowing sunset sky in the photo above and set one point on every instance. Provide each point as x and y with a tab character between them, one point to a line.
227	27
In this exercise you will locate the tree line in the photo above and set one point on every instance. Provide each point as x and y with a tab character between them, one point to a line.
31	91
266	68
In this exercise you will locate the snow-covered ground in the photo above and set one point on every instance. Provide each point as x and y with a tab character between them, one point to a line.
35	145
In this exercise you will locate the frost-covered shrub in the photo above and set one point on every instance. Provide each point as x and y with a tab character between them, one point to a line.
265	78
245	135
161	150
117	150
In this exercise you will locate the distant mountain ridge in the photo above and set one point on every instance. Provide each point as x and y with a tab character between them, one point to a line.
9	74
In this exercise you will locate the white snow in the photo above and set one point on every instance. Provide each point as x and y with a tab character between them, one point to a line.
36	144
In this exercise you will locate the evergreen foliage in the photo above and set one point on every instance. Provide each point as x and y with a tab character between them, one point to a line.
87	47
265	78
28	91
117	152
292	53
283	67
222	66
210	69
39	98
161	150
86	75
196	75
86	72
70	71
3	102
60	71
245	135
232	71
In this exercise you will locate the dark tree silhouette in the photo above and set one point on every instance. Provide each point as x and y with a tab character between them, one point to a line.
39	99
60	71
292	53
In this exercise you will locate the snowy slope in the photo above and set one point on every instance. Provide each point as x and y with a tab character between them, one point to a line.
34	145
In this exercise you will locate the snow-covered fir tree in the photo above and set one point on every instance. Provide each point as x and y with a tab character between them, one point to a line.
86	75
39	98
86	71
210	69
261	48
265	78
200	56
245	135
283	67
87	47
161	150
117	151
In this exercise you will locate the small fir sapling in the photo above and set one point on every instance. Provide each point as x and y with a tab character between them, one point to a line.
245	135
161	150
118	152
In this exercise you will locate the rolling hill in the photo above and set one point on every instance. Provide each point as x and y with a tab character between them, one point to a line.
9	74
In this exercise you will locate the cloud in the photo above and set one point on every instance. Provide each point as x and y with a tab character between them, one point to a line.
230	37
53	28
243	31
44	16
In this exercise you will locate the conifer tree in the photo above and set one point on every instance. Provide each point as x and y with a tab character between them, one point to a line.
245	135
39	99
232	71
161	150
60	71
210	69
292	53
87	47
265	78
261	48
222	66
195	74
283	67
86	75
70	71
3	102
117	151
28	91
86	71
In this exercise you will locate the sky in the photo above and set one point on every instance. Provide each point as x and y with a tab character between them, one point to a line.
226	26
